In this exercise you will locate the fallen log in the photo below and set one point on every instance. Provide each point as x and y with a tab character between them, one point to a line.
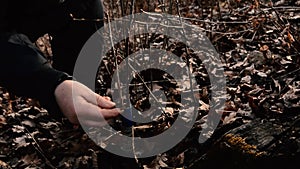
261	143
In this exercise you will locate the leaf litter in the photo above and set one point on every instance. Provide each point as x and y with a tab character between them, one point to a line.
258	42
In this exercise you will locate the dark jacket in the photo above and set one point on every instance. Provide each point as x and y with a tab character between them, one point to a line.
23	69
25	72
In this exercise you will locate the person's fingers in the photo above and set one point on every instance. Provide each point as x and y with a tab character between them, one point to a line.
103	102
98	120
106	98
110	113
83	105
90	112
91	97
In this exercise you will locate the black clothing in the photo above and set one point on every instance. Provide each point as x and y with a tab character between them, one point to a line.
34	18
23	69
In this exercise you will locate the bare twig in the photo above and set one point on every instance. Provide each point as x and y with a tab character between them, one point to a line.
116	61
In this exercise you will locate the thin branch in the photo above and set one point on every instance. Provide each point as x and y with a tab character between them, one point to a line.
116	61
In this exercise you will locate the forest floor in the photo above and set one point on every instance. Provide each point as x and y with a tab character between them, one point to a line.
258	43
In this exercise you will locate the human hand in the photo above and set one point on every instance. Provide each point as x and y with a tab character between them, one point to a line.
91	108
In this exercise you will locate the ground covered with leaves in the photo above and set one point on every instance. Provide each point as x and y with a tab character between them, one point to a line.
258	42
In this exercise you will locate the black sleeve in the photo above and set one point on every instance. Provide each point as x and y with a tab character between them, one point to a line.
34	18
25	72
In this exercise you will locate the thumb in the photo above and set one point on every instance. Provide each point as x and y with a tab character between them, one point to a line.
104	102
